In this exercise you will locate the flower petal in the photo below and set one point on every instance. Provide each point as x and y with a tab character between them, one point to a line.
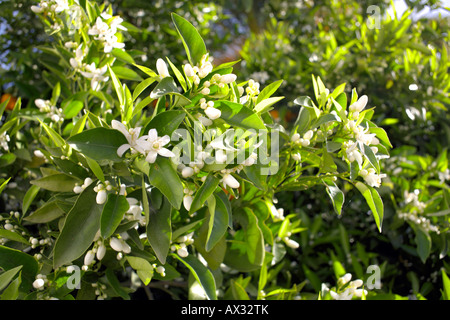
152	135
151	156
121	150
166	153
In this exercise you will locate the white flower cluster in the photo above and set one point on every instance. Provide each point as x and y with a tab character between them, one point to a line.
119	245
105	30
180	245
40	282
252	91
55	6
205	67
98	251
4	139
346	289
89	71
54	113
362	138
414	213
372	178
303	141
150	145
79	189
100	290
211	112
134	213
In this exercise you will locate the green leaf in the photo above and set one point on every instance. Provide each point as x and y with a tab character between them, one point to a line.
7	159
142	86
337	197
3	185
126	73
79	229
217	224
12	292
29	197
59	182
7	276
178	75
192	41
122	55
98	143
95	168
204	192
446	285
113	211
165	178
166	122
115	284
159	230
265	104
368	153
238	291
117	87
374	201
54	136
143	268
423	242
202	274
72	109
11	258
238	115
14	236
46	213
268	91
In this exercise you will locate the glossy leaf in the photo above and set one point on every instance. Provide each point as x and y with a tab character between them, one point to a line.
374	202
113	211
98	143
159	230
59	182
79	229
192	41
204	192
201	274
238	115
165	178
11	258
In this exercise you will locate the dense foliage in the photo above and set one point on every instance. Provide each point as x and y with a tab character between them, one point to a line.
307	162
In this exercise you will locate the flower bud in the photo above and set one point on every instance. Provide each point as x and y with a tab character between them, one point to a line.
188	70
187	172
308	135
115	244
229	180
162	68
213	113
297	157
101	251
89	258
295	137
228	78
38	283
101	197
182	252
187	202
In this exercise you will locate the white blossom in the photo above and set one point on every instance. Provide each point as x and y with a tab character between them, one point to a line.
153	146
371	177
132	136
95	74
213	113
161	67
229	180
